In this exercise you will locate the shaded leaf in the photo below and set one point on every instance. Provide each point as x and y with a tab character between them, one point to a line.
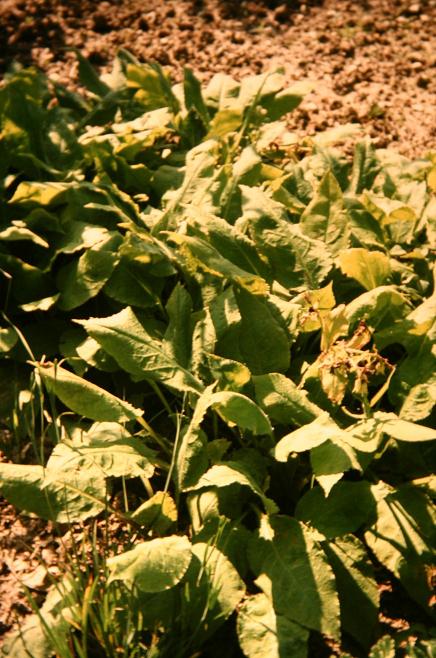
294	574
357	588
262	632
348	506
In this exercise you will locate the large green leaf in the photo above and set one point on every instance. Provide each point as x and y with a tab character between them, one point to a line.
291	569
72	496
85	398
283	401
379	306
191	457
311	435
238	409
201	258
262	632
194	98
213	589
295	258
137	351
325	218
231	243
348	506
229	474
365	167
357	587
263	342
123	458
158	512
402	430
403	537
83	279
370	268
26	283
192	460
177	340
153	566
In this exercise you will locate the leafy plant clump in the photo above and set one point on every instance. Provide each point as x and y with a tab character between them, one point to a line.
230	331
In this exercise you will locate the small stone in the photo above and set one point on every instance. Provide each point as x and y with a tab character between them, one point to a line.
423	81
37	579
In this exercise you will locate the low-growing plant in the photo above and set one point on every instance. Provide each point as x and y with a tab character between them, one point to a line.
231	330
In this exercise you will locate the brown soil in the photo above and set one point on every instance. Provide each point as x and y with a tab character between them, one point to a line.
28	557
373	60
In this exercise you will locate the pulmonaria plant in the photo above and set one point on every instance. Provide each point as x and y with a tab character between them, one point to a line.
232	328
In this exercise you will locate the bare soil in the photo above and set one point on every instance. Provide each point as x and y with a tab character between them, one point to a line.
373	62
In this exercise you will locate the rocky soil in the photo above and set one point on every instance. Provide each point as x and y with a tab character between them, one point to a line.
372	60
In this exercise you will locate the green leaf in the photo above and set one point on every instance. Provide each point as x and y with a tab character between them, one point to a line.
348	506
365	167
237	409
177	339
231	243
380	306
212	591
403	537
357	588
154	87
137	351
263	342
294	258
403	430
191	458
283	401
230	375
84	278
384	648
307	437
225	122
370	268
331	460
8	338
262	632
74	496
193	96
152	566
89	78
291	569
124	458
18	231
159	512
325	218
85	398
33	193
40	304
419	401
27	282
286	100
230	473
200	258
